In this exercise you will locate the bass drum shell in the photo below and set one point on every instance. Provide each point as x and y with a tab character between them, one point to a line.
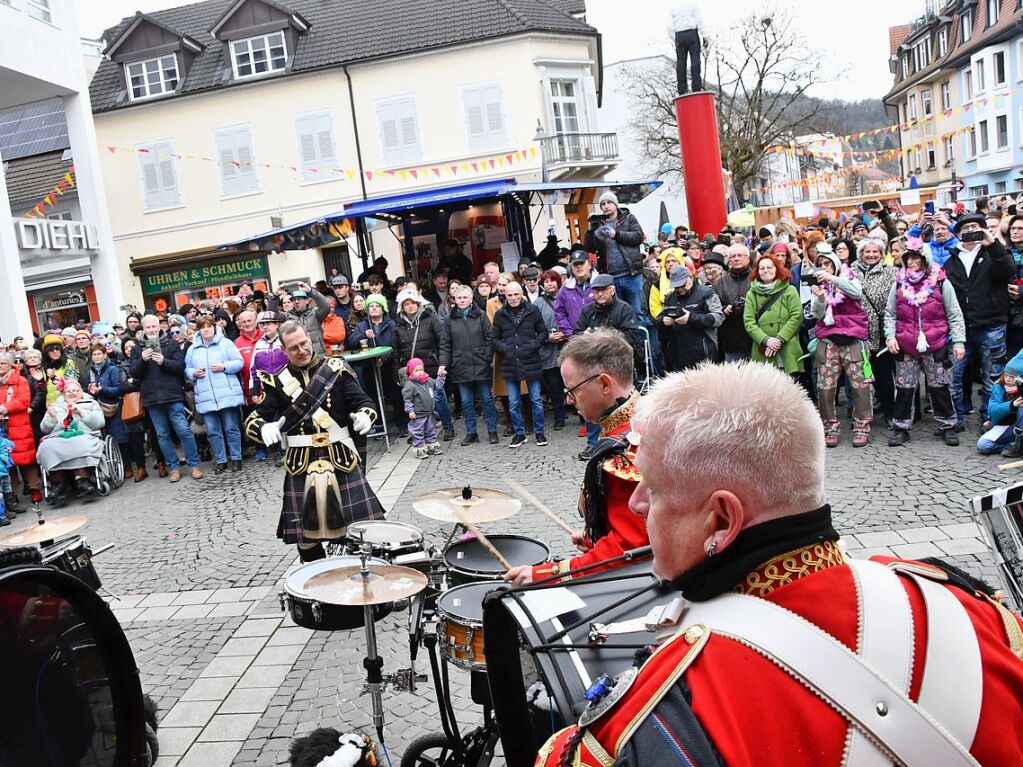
320	616
469	562
74	556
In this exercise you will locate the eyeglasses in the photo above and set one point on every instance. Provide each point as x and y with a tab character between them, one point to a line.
571	392
307	344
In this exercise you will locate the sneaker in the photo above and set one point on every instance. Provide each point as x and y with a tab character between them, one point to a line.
586	454
899	438
4	521
559	425
518	440
422	452
220	468
449	434
950	437
175	476
471	439
541	439
494	439
434	449
196	472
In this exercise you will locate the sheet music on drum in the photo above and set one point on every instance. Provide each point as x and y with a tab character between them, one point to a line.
545	604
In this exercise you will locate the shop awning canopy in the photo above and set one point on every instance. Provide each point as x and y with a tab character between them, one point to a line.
325	229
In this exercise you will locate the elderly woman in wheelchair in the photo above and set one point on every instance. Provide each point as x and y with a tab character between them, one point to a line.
73	445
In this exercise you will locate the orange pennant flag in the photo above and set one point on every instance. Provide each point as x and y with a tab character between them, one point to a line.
493	163
453	169
476	166
508	157
415	173
436	171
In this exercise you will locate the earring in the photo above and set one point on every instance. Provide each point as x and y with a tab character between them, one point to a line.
712	548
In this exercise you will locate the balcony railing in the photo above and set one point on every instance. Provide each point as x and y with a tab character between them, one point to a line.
580	147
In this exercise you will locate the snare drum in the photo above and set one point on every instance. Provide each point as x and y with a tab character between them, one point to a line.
73	556
469	562
312	614
460	625
396	542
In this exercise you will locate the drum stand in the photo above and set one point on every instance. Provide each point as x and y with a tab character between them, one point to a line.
373	663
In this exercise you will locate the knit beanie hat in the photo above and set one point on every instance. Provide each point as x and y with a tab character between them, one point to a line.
376	298
608	197
412	364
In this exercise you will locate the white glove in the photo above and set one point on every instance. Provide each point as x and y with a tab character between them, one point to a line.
271	432
361	422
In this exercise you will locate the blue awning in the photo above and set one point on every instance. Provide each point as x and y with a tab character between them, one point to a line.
427	198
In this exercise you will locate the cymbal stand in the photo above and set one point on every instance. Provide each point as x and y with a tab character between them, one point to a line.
373	663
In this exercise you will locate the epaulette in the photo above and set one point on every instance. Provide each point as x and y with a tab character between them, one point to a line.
266	379
622	465
340	365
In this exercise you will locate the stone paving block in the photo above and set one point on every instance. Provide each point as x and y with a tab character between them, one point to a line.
197	597
253	700
242	646
210	754
227	595
917	550
174	741
921	534
885	538
262	627
278	656
158	600
126	600
232	666
963	546
229	727
191	713
157	613
290	636
210	688
962	530
876	551
193	612
127	614
256	593
264	676
229	609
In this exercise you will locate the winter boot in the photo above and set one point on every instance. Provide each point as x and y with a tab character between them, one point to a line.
434	449
899	438
422	452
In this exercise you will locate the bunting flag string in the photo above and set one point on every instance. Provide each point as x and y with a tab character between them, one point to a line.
63	186
418	172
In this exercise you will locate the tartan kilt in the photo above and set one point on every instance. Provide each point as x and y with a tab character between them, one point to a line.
358	503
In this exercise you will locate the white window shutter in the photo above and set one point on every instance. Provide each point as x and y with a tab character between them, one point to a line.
235	156
590	99
399	131
317	153
159	176
325	139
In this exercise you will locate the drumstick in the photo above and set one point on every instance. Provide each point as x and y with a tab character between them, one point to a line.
1011	465
483	539
540	505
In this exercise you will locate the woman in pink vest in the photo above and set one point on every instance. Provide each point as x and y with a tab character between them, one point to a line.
921	314
841	333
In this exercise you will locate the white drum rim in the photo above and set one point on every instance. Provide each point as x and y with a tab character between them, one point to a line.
448	616
369	524
296	588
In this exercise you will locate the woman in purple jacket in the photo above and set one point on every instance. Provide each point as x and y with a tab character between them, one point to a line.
841	332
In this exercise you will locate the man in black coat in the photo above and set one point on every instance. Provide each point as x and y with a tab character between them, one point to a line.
980	271
456	263
467	353
519	332
689	322
618	242
158	364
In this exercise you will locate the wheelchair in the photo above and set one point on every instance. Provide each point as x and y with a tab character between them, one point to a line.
107	473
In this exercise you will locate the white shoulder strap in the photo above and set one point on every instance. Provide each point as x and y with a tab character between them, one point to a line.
872	704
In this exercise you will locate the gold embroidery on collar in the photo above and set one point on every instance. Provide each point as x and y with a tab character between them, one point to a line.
619	416
790	566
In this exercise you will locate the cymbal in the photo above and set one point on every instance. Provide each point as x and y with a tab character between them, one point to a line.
484	505
47	531
346	586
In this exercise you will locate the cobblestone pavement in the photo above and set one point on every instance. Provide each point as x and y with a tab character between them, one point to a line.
197	567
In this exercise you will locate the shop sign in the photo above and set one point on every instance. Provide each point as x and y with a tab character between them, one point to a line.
40	234
61	300
203	276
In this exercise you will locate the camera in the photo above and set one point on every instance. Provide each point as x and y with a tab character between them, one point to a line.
808	275
973	236
739	303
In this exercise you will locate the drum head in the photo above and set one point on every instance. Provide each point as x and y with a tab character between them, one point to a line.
470	556
465	603
393	535
296	580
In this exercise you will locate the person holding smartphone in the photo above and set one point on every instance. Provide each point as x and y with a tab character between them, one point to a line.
980	271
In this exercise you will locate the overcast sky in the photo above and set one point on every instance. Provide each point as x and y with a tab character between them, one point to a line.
638	28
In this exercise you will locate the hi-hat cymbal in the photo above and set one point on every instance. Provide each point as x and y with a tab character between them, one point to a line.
346	586
47	531
483	505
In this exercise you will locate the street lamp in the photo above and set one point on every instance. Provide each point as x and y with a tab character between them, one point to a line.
539	137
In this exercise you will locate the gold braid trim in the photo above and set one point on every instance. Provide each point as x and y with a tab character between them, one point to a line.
1012	627
790	566
620	416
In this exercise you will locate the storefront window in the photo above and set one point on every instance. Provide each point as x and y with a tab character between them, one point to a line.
166	291
61	309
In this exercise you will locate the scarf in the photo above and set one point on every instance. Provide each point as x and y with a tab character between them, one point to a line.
764	288
753	546
5	377
917	289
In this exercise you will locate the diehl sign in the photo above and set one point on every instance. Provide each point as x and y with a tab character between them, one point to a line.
204	276
38	234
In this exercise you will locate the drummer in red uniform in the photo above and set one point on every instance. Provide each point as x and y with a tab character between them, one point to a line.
597	367
919	664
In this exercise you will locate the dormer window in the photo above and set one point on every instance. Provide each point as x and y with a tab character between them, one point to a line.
259	55
152	77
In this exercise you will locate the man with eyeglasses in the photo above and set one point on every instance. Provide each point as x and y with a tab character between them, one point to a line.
1014	333
597	368
322	404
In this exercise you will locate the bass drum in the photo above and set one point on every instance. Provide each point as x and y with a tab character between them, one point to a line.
321	616
522	653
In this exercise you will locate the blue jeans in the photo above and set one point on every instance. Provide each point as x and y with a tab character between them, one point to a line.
655	345
592	434
515	405
468	392
172	416
629	288
991	446
443	411
989	344
223	428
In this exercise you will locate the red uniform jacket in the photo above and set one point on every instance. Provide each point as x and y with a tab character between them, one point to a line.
16	396
756	714
247	347
626	530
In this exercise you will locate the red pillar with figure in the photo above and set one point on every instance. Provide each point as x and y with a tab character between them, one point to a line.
701	162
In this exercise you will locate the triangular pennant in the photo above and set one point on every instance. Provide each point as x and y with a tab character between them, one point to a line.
111	149
415	173
508	157
369	175
493	163
350	174
403	174
532	151
476	166
453	169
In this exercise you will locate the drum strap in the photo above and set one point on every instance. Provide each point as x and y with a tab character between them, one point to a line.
918	735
